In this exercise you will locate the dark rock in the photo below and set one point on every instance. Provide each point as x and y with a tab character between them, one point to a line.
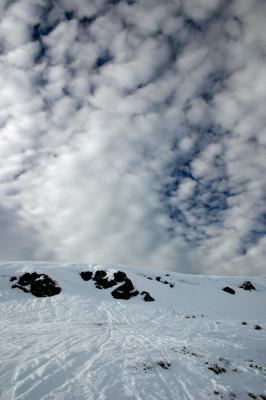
247	285
216	369
147	296
229	290
120	276
128	285
41	285
86	275
99	275
13	278
121	293
101	280
257	327
133	294
252	395
158	279
124	291
244	323
163	364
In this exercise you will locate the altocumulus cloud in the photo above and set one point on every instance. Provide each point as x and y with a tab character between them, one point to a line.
133	132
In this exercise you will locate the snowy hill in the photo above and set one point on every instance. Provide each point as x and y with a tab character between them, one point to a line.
194	341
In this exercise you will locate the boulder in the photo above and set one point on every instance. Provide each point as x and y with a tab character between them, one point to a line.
102	281
86	275
125	291
120	276
40	285
247	285
229	290
147	296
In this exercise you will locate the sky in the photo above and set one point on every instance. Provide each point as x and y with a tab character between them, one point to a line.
133	132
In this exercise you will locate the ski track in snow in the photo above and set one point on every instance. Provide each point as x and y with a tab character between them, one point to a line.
83	344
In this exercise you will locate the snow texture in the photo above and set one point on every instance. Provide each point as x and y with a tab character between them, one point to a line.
195	341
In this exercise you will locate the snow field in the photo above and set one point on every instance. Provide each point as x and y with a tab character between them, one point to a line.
83	344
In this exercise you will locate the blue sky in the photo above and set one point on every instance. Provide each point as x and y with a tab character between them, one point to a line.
133	132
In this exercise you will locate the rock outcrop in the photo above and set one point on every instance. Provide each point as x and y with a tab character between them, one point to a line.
40	285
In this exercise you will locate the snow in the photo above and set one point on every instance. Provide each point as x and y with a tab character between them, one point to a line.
84	344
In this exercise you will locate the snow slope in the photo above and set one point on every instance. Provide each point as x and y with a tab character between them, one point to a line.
84	344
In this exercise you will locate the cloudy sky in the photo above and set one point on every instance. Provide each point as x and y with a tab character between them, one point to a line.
133	132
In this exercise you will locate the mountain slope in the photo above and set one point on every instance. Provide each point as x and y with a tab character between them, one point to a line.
190	343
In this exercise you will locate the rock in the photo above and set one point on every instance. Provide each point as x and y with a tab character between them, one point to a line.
41	285
120	276
125	291
258	327
101	280
147	296
13	278
86	275
247	285
252	395
228	290
164	365
216	369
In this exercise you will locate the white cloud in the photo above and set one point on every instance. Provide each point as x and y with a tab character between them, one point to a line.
199	11
184	191
187	143
138	137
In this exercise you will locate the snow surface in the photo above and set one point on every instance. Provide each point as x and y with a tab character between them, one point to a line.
84	344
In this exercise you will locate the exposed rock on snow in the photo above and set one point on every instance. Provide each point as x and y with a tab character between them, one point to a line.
126	290
216	369
257	327
158	279
101	280
86	344
147	296
40	285
247	285
123	292
229	290
86	275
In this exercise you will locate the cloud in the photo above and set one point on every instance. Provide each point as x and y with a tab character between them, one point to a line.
134	133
